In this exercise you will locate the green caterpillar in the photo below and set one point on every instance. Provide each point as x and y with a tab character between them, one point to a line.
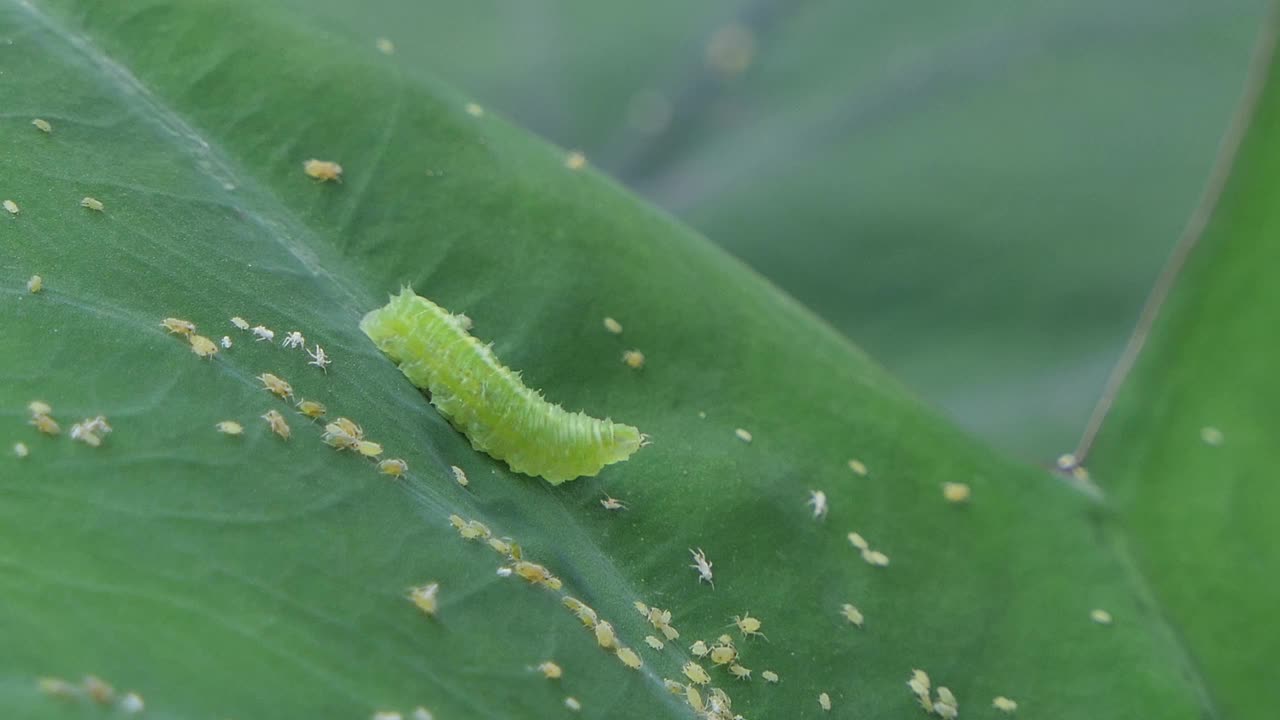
486	401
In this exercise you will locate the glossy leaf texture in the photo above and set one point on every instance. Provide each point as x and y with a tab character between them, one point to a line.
1189	450
251	576
979	194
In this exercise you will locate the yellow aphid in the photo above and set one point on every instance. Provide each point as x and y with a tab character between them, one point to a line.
852	614
575	160
1100	616
385	46
178	326
203	346
605	635
35	284
818	501
629	658
634	359
457	521
533	572
42	125
611	503
476	530
875	557
1004	704
98	689
702	566
500	546
1211	436
39	407
956	492
277	423
613	326
748	625
743	435
92	204
369	449
276	385
323	170
695	673
573	704
699	649
311	408
552	582
740	672
20	449
240	322
426	597
919	683
11	206
230	427
694	698
474	110
56	687
658	617
672	686
824	701
669	632
857	467
641	608
459	475
946	698
946	712
581	610
653	642
394	467
550	670
349	428
769	676
725	640
858	541
723	654
45	424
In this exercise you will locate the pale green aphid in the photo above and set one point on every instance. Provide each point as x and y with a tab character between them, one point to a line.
487	402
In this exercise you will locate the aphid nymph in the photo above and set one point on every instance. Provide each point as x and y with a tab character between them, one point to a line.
702	566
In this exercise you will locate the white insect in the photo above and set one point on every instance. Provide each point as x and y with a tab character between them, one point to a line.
818	501
701	565
132	703
263	333
226	341
293	340
319	358
240	322
11	207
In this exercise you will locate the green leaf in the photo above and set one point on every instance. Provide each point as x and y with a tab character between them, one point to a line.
978	194
256	577
1188	451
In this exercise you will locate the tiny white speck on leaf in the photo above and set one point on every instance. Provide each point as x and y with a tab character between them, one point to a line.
613	326
575	160
1100	616
385	46
42	125
743	435
92	204
11	206
1212	436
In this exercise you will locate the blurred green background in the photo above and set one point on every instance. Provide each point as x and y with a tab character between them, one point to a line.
980	194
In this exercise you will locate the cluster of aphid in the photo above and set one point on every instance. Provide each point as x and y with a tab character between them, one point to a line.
945	704
95	689
89	431
200	345
292	339
872	557
722	652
